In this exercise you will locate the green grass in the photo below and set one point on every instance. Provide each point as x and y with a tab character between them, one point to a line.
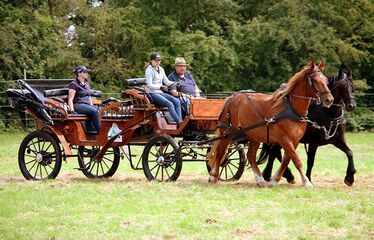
129	207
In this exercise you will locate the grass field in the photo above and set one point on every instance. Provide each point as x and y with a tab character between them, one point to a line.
129	207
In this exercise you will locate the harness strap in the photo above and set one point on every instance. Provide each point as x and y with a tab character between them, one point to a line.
287	113
233	132
250	99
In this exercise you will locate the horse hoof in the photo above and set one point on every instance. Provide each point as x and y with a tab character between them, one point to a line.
262	184
212	179
348	181
291	181
308	185
273	183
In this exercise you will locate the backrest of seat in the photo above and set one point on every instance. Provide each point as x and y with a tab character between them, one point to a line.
132	82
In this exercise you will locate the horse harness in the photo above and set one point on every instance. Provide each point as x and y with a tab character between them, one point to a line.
287	113
331	126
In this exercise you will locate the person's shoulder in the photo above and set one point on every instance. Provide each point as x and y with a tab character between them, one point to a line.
189	74
161	69
173	76
148	69
73	85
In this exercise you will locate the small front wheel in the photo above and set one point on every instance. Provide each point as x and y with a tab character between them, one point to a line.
39	156
160	160
106	167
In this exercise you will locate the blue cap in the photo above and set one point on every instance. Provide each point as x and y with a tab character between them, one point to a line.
155	56
80	69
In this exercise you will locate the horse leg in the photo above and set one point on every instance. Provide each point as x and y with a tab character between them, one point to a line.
251	155
290	153
349	177
278	174
311	153
266	173
275	152
287	172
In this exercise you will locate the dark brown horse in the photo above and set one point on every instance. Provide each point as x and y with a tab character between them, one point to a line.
327	126
278	118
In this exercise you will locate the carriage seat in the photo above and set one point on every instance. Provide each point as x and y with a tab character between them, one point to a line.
139	99
63	93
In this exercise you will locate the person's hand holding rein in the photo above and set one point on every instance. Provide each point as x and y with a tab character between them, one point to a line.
164	88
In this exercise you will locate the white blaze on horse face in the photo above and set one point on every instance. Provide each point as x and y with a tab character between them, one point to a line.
325	94
322	76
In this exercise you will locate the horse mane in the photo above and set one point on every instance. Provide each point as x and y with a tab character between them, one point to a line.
291	84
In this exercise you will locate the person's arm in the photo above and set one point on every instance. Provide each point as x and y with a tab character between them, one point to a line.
165	79
149	79
174	91
197	91
70	99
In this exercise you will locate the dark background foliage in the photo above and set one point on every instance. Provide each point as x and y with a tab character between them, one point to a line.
229	44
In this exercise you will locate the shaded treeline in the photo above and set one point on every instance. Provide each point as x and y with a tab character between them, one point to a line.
229	44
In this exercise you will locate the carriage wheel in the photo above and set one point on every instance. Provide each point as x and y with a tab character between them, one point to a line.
233	166
39	156
160	161
106	167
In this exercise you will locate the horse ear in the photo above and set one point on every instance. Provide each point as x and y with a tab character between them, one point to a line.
340	74
321	66
350	73
311	65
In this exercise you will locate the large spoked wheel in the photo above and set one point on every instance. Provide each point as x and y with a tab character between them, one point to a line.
232	168
39	156
160	160
106	167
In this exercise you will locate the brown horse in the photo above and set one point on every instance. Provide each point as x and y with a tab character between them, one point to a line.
276	118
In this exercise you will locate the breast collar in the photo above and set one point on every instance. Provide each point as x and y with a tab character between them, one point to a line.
287	113
290	113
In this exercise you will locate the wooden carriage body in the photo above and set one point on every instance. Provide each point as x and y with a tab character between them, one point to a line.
136	121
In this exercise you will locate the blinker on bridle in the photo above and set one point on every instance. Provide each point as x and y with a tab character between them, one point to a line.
311	83
338	82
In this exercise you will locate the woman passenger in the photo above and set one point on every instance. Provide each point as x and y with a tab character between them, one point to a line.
155	77
79	98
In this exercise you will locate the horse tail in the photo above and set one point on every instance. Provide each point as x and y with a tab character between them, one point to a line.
211	157
223	119
223	116
264	154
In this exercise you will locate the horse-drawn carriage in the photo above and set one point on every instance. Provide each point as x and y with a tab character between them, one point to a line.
246	116
131	121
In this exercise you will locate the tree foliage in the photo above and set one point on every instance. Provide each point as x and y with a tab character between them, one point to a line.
229	44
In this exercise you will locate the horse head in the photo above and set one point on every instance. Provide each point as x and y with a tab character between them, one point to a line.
319	82
343	87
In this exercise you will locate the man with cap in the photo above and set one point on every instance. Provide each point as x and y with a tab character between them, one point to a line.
186	82
79	99
157	83
185	79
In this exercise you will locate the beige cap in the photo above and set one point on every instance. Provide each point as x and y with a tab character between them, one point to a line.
180	61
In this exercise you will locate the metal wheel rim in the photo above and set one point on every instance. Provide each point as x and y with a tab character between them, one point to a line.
40	158
161	169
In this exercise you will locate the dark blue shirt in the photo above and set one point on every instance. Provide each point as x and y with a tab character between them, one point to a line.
187	84
82	91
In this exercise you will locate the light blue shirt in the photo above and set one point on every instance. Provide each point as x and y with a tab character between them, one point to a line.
155	79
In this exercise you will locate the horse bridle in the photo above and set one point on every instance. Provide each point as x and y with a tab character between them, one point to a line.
317	98
345	80
311	83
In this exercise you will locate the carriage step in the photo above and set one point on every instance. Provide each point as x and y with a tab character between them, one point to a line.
81	169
